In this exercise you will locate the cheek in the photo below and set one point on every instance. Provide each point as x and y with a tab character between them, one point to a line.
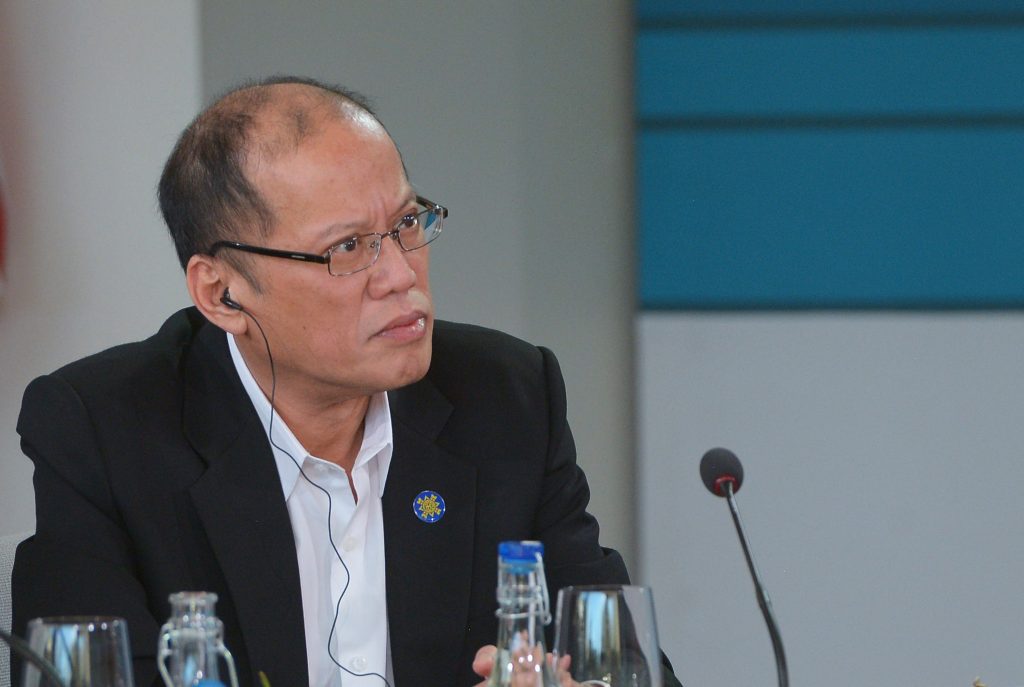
420	264
325	317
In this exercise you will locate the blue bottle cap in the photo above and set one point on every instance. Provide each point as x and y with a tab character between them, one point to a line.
520	551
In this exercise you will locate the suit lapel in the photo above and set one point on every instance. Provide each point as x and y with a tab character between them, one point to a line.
429	565
243	511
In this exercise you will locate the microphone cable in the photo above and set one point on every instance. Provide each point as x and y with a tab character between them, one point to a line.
330	529
20	648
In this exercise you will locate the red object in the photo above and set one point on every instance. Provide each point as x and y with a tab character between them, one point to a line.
722	481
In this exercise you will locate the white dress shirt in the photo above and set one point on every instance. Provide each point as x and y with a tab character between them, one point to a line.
360	635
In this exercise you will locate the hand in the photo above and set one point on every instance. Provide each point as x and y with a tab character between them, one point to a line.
561	670
483	662
483	665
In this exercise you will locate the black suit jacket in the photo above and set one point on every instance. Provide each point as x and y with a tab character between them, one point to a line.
154	475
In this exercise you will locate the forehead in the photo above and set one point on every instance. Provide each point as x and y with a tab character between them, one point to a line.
340	155
285	115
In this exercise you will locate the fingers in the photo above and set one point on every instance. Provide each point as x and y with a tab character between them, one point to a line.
483	662
561	666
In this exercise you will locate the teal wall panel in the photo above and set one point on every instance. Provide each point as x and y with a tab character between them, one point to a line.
654	11
833	158
817	218
831	72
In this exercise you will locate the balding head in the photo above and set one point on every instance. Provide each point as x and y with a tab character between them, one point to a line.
206	193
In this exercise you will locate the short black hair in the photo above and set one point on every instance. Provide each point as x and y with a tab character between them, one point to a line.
204	193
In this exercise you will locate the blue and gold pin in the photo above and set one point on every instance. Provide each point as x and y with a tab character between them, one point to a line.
428	506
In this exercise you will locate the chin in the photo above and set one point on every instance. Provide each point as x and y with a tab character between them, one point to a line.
412	365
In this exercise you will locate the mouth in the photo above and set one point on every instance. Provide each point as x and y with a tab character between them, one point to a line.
405	328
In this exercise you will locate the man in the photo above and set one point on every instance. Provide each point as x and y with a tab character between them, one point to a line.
306	441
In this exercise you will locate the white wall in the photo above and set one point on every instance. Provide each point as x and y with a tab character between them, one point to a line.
518	115
92	97
882	456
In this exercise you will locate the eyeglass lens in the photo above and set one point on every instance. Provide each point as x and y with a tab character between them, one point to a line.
359	252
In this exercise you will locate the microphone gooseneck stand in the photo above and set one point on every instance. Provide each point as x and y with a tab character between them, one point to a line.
23	650
762	596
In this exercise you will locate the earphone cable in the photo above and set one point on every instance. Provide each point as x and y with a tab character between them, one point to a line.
330	504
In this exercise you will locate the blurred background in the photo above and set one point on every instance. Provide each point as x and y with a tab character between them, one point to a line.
793	230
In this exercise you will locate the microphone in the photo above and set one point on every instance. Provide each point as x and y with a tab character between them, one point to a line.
722	474
719	467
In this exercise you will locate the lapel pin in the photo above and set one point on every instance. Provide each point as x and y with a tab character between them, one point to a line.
428	506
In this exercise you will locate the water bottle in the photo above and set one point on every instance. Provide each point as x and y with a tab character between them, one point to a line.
192	642
523	611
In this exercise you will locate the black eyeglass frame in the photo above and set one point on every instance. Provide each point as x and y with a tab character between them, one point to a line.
325	257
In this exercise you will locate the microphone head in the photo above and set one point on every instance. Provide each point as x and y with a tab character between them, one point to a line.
718	467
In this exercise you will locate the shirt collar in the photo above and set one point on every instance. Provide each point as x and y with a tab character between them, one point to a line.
378	441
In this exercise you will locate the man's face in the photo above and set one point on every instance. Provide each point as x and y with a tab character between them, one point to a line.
338	337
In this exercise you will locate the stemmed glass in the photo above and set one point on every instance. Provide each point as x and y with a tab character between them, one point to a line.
607	636
85	651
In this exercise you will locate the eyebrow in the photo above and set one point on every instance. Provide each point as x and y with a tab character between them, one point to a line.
357	227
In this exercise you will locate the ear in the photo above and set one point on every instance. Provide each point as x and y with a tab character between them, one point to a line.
207	278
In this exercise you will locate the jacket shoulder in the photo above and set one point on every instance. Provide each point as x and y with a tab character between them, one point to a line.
135	367
481	356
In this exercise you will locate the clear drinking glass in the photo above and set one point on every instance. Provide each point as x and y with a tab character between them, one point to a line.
86	651
606	635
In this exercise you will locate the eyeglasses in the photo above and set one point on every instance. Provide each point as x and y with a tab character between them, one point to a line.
357	253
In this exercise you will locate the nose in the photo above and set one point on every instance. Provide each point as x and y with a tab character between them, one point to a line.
392	271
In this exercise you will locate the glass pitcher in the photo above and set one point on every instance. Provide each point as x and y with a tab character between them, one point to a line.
192	642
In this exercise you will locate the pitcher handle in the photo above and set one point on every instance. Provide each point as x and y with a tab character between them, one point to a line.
162	653
230	661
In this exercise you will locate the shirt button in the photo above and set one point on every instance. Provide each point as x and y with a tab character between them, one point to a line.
348	544
359	663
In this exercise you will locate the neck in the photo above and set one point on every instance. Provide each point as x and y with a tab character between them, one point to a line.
333	432
328	425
